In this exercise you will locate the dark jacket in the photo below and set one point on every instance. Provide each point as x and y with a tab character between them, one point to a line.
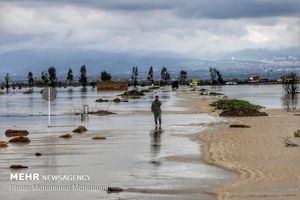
155	107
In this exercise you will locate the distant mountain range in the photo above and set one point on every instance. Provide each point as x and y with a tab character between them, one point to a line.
236	64
262	54
20	62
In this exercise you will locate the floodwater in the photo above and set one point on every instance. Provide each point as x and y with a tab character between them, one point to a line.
269	96
147	163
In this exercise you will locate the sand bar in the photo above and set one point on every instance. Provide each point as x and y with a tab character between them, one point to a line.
268	169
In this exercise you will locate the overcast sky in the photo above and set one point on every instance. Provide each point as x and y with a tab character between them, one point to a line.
191	27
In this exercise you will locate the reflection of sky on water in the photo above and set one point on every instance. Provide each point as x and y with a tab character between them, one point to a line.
270	96
132	156
17	103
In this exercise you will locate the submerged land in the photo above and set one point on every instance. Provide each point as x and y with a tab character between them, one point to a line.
253	148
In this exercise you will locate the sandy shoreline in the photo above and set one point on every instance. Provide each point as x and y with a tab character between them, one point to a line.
267	168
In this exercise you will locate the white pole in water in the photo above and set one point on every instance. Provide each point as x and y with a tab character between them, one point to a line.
49	109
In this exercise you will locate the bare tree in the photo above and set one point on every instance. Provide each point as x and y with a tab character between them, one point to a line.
290	84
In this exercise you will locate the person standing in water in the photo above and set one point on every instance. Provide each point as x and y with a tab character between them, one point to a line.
156	110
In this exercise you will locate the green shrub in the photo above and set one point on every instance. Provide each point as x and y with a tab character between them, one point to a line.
297	133
134	94
234	104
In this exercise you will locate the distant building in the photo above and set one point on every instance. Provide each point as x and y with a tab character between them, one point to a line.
254	79
112	85
194	82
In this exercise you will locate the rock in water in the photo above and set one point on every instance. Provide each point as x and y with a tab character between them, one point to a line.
18	167
66	136
20	139
114	189
239	126
203	90
117	100
16	133
3	144
99	138
101	100
80	129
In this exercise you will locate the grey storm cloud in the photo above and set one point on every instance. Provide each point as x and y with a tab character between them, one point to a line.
220	9
192	27
214	9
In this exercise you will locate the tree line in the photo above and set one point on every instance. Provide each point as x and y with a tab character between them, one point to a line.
49	77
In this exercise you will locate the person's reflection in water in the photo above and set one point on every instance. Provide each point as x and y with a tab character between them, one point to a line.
155	146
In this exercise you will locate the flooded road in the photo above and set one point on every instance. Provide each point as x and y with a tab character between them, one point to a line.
147	164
